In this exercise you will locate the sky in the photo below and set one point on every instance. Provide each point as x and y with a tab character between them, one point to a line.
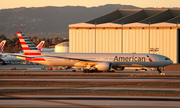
6	4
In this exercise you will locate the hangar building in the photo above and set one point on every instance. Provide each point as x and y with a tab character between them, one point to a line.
129	31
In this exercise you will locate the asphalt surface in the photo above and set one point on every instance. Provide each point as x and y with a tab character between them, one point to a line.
90	88
83	101
76	101
91	79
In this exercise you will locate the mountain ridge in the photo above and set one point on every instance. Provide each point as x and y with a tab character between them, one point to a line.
50	21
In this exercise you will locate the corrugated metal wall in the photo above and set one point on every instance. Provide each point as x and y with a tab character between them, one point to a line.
165	41
117	40
173	67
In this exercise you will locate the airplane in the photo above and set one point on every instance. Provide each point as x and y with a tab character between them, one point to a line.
93	62
6	57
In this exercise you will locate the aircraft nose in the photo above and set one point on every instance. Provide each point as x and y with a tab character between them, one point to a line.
171	61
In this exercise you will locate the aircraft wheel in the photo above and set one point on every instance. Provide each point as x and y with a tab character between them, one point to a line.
112	71
73	70
159	70
96	71
91	71
84	71
88	71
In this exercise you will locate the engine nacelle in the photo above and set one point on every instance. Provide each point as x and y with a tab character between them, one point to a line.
104	66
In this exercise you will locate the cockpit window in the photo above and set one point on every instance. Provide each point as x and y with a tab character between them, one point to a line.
167	59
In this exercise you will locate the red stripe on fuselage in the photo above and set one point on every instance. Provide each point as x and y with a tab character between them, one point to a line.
35	59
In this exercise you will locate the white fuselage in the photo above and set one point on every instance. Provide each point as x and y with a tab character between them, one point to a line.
8	57
117	59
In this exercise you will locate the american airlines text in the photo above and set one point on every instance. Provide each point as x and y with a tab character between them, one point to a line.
130	59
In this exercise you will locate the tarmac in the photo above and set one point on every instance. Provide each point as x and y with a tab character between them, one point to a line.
86	101
76	101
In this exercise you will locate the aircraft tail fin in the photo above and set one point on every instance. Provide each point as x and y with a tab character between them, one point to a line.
40	45
2	44
28	47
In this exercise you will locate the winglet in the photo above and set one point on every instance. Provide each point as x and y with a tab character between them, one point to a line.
2	44
28	47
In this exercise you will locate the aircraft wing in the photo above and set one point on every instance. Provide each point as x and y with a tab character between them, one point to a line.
65	58
70	58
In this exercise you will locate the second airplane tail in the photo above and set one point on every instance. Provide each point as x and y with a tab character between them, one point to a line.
2	44
40	45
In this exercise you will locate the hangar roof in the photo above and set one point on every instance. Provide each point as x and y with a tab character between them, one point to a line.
110	17
135	18
125	16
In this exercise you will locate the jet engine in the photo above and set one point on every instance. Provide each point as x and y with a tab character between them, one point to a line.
104	66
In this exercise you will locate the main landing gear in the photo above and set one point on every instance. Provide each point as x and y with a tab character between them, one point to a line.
95	71
90	71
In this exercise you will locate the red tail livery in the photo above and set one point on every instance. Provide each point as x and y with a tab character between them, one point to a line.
2	45
28	47
40	45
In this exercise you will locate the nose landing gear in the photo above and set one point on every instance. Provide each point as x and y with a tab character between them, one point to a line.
159	69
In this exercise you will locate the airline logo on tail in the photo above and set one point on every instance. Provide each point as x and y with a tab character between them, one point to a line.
2	45
40	45
28	47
